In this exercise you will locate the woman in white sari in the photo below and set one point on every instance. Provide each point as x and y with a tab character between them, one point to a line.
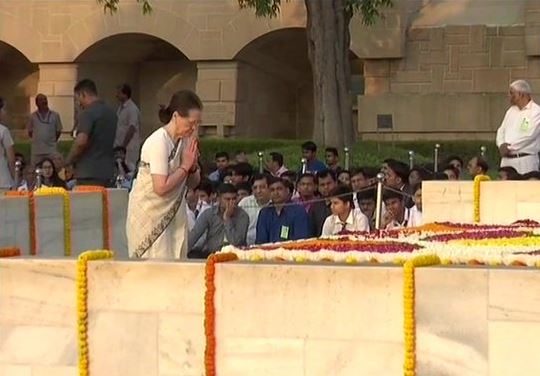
157	220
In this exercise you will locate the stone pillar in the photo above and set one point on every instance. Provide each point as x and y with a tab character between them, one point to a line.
57	81
217	86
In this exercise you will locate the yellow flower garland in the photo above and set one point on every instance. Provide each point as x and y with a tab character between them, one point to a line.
56	191
501	242
82	304
409	321
476	196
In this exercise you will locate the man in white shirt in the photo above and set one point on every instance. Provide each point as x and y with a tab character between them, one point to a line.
128	128
518	136
253	204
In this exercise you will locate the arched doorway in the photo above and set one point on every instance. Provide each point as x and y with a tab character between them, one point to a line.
152	67
275	86
18	83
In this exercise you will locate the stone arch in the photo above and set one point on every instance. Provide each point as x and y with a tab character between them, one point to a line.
23	39
275	85
165	25
153	67
246	28
18	83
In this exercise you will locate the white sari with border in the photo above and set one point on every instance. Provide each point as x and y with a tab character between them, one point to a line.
156	226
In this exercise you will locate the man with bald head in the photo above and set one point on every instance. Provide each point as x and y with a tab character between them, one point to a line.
44	129
518	137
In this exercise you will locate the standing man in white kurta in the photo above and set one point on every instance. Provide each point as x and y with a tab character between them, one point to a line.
128	129
518	137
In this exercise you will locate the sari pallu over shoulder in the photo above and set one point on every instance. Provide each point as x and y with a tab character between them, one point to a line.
151	216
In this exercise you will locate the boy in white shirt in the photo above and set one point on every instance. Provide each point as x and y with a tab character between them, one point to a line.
397	215
344	218
415	215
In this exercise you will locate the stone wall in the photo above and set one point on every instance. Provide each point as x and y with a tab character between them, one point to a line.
147	318
456	76
455	59
408	52
501	202
86	223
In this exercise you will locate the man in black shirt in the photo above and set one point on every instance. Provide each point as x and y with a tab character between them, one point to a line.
92	154
327	182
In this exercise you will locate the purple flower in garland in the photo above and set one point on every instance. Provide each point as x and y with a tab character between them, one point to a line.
346	245
478	235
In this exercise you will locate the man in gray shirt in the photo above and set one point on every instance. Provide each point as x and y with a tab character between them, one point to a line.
223	224
92	153
44	128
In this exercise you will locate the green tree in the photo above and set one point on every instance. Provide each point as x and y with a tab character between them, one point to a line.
328	43
329	40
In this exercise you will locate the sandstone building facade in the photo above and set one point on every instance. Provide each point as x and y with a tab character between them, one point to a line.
427	69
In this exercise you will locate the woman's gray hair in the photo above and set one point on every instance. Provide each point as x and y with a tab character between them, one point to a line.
521	86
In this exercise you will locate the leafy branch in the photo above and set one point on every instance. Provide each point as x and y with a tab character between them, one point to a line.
111	6
370	9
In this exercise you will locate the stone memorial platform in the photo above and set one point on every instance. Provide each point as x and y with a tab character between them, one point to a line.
86	222
283	319
146	318
501	202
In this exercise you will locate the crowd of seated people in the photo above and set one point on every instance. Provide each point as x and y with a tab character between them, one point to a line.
319	200
234	204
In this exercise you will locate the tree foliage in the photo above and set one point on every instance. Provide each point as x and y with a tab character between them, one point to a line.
111	6
370	9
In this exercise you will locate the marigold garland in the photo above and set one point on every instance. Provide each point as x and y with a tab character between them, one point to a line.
409	320
10	252
56	191
82	304
31	217
210	309
478	179
106	210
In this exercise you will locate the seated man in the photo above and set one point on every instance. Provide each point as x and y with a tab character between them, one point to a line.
222	224
397	177
205	196
306	191
415	218
253	204
123	174
327	182
242	173
397	214
508	173
344	218
361	178
477	166
309	152
281	220
367	203
222	162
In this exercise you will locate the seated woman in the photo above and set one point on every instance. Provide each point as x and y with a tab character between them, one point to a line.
49	175
344	218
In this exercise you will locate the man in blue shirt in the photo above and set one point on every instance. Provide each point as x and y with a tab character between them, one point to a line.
309	152
282	220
